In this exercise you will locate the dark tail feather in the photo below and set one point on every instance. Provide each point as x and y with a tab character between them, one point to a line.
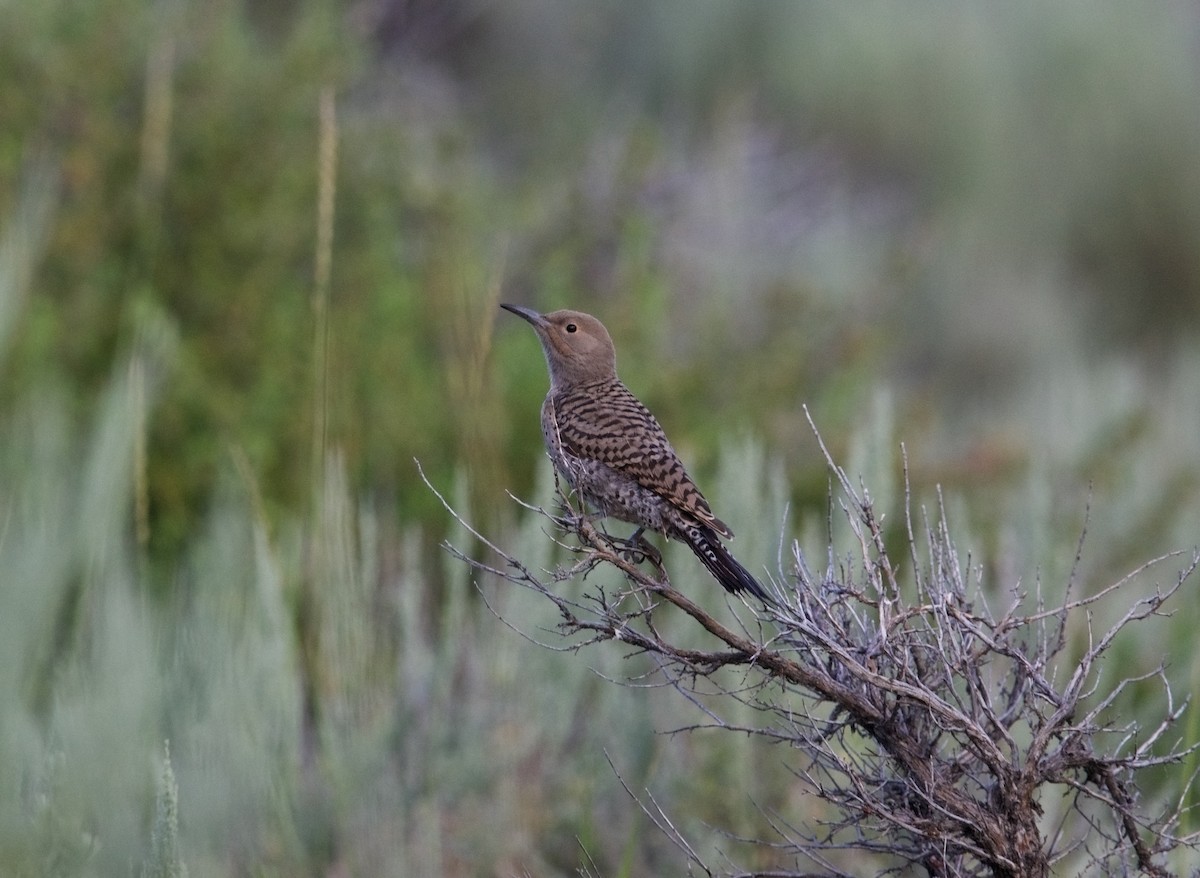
722	565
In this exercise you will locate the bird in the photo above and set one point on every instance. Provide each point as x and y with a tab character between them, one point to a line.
613	452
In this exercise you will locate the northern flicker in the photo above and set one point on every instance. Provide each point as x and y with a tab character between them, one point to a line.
613	452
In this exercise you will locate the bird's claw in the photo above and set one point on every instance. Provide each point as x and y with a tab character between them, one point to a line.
637	549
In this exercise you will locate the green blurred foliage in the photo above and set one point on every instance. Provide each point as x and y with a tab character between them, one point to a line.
973	230
215	225
767	204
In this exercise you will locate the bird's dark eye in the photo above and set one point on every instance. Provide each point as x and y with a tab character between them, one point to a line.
570	327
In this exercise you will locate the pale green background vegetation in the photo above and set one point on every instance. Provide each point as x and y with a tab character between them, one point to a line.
973	229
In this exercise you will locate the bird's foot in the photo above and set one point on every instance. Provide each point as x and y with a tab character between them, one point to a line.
637	549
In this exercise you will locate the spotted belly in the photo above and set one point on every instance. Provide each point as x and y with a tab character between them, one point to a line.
612	493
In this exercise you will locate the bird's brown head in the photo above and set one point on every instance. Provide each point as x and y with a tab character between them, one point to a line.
577	346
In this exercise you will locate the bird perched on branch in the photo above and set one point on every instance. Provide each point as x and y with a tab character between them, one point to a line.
613	452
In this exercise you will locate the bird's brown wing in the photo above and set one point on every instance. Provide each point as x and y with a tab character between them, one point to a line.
607	423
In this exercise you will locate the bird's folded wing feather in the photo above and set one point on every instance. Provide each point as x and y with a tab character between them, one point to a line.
610	425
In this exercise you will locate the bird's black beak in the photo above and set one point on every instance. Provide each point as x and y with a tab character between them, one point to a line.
527	313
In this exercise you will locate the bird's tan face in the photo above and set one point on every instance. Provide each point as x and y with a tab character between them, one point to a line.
577	346
577	336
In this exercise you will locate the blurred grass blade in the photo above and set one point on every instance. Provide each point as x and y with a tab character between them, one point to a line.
22	241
